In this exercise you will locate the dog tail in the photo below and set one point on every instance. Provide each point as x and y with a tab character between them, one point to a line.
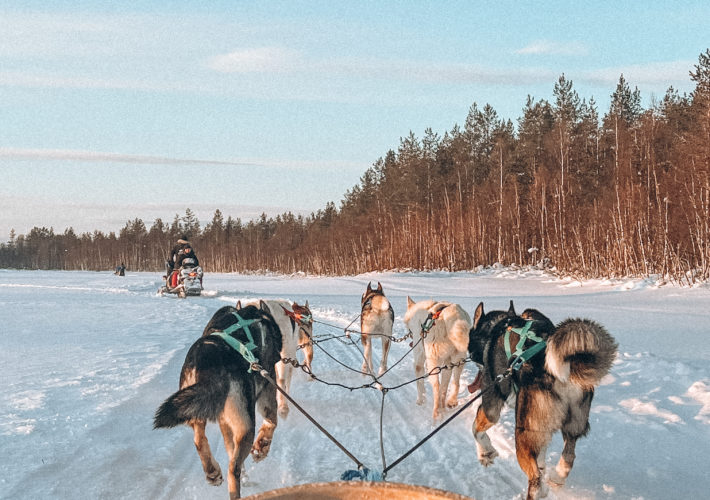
200	401
580	351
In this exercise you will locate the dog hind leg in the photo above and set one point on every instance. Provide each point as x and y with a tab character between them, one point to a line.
237	426
266	405
385	352
213	473
367	354
530	449
574	427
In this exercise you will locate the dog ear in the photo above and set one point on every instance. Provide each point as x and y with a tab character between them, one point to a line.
511	309
264	307
379	286
239	304
478	315
410	302
306	306
369	287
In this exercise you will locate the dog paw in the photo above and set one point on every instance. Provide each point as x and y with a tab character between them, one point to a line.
260	450
420	400
554	479
283	412
486	458
214	477
453	403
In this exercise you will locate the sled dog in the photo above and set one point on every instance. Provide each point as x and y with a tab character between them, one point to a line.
376	320
296	325
218	385
443	328
552	385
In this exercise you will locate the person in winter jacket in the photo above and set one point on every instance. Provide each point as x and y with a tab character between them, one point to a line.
187	258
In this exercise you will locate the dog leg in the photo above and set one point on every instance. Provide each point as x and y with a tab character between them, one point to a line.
419	370
486	451
558	475
237	428
575	427
437	395
284	373
385	352
529	457
367	354
266	404
531	442
213	473
453	399
308	353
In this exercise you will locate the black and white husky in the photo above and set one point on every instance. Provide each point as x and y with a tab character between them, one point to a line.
376	319
296	325
217	384
552	385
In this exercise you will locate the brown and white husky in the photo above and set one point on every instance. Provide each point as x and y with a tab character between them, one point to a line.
376	320
444	327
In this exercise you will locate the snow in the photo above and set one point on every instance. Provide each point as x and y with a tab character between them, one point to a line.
88	357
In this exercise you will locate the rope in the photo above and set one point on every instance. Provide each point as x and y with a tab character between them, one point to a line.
266	375
431	434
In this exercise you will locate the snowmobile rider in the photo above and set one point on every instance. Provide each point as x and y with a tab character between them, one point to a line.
172	259
187	257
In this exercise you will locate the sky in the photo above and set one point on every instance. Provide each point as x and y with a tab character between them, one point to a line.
115	110
77	405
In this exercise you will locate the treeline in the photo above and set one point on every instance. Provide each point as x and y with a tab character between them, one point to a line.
626	193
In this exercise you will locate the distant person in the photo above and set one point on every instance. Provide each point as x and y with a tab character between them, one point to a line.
120	269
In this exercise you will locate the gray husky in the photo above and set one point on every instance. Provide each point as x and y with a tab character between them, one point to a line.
552	385
217	384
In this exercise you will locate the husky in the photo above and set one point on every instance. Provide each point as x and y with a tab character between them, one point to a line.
376	319
553	373
296	325
217	384
444	328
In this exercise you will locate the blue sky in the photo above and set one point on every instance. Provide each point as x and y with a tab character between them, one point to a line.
116	110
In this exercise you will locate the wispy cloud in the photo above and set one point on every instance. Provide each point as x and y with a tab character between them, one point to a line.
654	73
285	60
256	60
548	47
102	157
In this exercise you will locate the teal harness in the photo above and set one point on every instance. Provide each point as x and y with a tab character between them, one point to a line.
246	350
521	355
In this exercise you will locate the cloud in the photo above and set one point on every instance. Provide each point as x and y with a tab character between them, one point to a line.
102	157
547	47
654	73
256	60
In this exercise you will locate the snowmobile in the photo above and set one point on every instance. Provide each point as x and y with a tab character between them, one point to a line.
189	282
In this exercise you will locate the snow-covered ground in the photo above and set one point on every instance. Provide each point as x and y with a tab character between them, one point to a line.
87	357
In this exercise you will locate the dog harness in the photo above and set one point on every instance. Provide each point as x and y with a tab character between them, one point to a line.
303	319
520	356
432	317
246	350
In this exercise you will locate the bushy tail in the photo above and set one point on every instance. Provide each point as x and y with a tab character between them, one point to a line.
201	401
580	351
